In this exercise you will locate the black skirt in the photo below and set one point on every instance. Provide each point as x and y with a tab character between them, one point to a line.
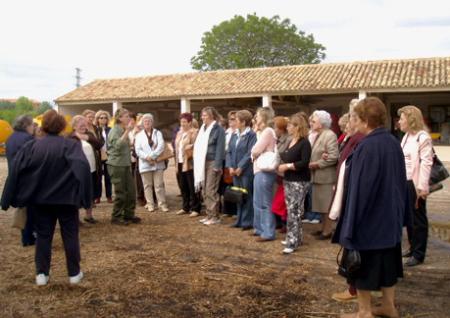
379	268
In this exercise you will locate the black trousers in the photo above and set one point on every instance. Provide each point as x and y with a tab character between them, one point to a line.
45	218
417	227
28	233
191	200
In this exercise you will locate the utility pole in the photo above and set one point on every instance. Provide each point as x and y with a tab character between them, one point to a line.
78	77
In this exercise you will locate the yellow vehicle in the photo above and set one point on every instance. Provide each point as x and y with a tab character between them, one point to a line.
5	131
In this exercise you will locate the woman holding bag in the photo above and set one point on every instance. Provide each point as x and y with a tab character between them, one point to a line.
264	220
238	160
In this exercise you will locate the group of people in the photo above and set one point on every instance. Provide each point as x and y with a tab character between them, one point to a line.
363	184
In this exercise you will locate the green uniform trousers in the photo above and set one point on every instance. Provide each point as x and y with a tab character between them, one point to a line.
124	192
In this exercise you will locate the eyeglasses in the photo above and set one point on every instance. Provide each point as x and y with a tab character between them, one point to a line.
103	117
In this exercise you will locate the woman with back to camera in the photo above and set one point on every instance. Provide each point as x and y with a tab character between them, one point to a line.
52	174
418	151
373	210
23	132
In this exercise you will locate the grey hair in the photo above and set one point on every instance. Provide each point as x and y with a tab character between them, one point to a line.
22	122
323	117
147	116
76	119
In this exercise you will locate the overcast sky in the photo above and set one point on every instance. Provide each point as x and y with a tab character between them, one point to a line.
42	42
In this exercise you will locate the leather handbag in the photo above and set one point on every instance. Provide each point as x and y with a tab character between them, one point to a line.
235	195
350	262
438	171
167	153
19	218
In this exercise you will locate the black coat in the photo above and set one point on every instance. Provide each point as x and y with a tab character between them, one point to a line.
14	143
375	199
52	170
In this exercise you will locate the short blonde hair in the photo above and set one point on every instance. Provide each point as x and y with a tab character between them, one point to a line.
413	117
300	124
343	121
76	119
119	113
87	112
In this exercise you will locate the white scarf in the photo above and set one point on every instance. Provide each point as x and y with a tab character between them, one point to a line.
200	149
336	206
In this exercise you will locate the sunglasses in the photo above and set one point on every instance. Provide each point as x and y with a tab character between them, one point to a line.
103	117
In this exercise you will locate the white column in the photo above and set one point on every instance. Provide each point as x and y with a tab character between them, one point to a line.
115	106
362	95
185	105
56	107
267	101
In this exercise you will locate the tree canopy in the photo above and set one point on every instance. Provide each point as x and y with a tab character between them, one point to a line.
256	42
11	110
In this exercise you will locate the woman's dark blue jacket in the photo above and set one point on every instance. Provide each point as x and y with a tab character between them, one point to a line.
375	200
51	170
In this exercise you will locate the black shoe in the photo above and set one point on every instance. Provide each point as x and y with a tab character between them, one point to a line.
316	233
234	225
407	254
90	220
412	261
134	220
118	221
246	228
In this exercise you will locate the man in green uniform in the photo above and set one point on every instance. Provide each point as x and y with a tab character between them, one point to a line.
119	168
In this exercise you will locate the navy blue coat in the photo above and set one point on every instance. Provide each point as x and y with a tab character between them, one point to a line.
375	200
14	143
52	170
240	157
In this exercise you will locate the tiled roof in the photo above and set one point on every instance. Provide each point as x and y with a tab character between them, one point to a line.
426	73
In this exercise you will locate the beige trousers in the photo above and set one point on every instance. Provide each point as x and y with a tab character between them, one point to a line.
155	179
210	188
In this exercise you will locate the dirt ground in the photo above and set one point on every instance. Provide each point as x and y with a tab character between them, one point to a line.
173	266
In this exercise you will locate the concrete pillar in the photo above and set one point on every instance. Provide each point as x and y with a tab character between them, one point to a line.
185	105
115	106
267	101
362	95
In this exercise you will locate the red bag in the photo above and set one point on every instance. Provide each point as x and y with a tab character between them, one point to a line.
279	204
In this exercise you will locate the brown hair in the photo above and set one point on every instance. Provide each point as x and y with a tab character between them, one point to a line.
87	112
280	122
231	113
119	113
373	111
52	122
212	112
413	116
245	116
300	124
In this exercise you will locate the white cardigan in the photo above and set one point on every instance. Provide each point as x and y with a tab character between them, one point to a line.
144	151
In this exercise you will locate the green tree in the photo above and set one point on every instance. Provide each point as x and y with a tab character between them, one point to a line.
256	42
44	106
23	105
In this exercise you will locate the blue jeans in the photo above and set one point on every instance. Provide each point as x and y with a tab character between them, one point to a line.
264	220
245	210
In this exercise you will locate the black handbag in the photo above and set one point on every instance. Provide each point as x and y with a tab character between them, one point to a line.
438	171
235	195
350	262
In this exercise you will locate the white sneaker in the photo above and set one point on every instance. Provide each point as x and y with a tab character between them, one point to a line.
77	278
306	221
194	214
150	208
41	279
181	212
288	250
315	221
284	242
212	221
204	220
165	209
